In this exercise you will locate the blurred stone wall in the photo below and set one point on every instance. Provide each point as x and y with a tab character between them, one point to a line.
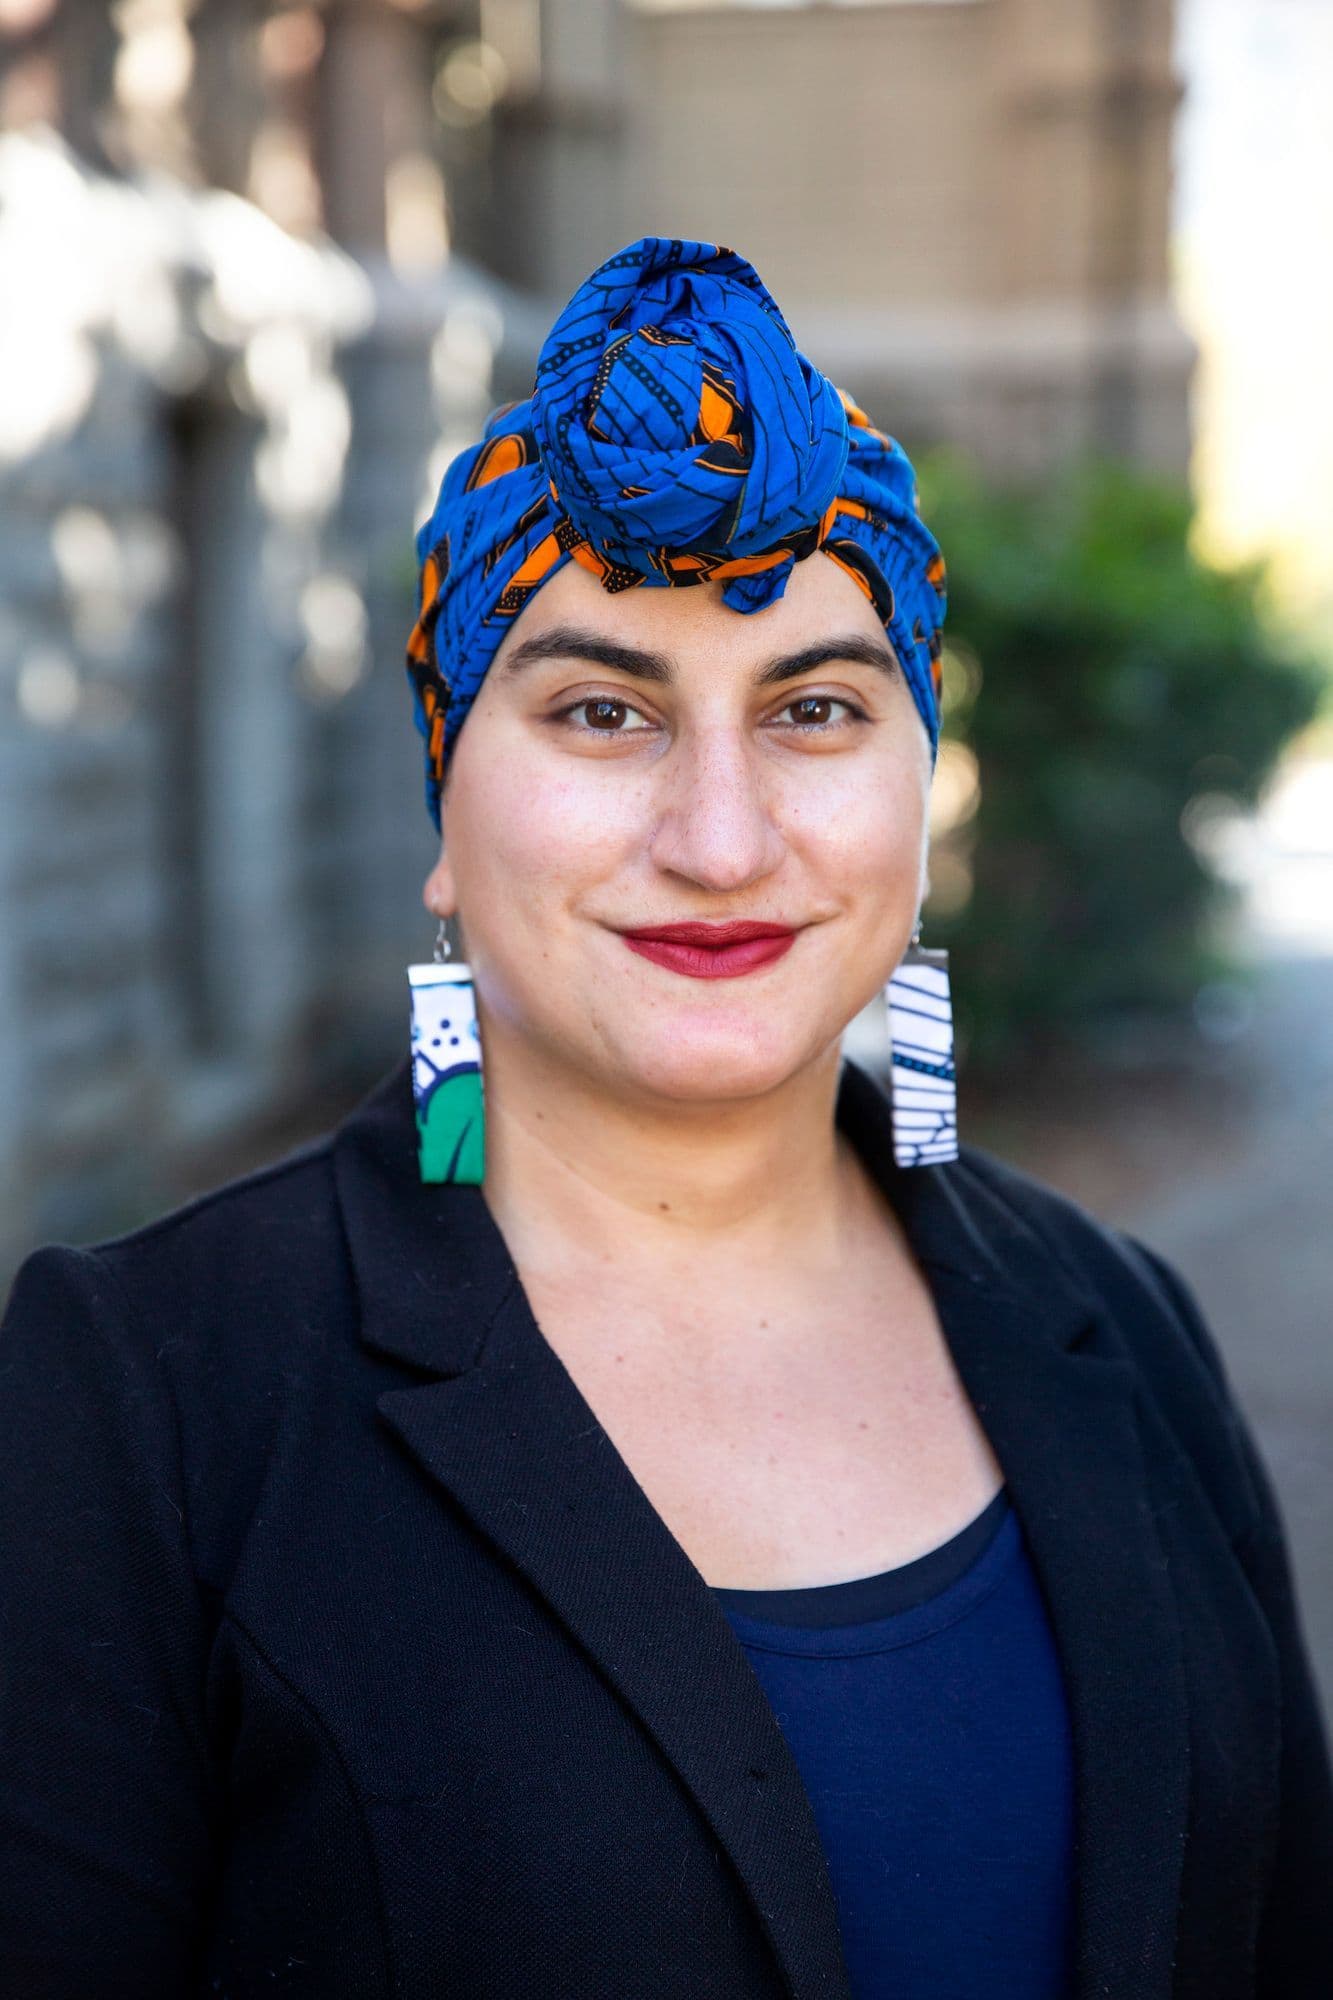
211	829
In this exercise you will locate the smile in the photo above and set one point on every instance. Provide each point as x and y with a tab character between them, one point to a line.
712	951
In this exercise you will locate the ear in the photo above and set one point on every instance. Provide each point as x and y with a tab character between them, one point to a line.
439	892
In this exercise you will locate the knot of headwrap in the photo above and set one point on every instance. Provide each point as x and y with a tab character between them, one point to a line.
675	435
683	433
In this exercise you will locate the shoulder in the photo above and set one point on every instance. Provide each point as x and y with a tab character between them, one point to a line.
213	1263
231	1246
1152	1315
195	1338
1096	1253
1115	1265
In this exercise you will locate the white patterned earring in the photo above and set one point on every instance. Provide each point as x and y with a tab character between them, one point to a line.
446	1070
922	1077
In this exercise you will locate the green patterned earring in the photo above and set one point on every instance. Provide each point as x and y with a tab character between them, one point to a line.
446	1070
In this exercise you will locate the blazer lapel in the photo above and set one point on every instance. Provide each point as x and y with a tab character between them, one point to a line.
503	1428
510	1437
1046	1374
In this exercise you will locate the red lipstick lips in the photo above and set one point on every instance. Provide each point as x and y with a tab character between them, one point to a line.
712	951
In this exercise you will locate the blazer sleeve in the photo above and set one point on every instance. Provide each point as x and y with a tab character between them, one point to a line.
105	1834
1295	1953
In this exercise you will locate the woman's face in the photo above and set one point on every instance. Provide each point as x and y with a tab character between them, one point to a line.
654	758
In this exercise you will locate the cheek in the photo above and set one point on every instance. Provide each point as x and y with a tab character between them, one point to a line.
864	826
529	833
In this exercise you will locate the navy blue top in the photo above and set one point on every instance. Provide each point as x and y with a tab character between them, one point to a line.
925	1709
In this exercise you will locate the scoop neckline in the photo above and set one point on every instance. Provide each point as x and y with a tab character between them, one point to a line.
866	1600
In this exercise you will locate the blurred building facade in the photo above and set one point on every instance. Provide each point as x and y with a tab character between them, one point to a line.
963	205
265	266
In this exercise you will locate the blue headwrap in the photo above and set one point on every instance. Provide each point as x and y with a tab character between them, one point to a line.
674	435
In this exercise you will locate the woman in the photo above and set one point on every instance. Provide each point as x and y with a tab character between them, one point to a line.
658	1545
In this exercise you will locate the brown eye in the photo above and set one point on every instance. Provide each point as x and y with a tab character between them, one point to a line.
604	714
813	709
821	714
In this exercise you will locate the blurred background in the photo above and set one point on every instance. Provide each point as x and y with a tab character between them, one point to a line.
264	266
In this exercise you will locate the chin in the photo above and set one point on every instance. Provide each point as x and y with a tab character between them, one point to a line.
712	1068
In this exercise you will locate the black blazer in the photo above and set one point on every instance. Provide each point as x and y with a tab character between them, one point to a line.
343	1656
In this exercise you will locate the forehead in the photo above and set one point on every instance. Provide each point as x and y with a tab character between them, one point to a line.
820	599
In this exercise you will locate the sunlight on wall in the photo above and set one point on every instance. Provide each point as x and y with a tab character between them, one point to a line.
1254	220
100	266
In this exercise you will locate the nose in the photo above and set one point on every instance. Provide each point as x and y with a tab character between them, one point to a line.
716	827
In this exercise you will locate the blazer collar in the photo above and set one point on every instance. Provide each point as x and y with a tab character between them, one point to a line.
500	1424
431	1264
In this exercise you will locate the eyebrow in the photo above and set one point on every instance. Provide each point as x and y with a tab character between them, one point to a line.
571	642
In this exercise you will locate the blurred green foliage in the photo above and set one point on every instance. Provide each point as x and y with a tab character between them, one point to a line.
1114	691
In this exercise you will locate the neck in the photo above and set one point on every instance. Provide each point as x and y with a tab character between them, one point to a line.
574	1174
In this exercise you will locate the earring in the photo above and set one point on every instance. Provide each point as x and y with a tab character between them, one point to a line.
446	1070
923	1079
